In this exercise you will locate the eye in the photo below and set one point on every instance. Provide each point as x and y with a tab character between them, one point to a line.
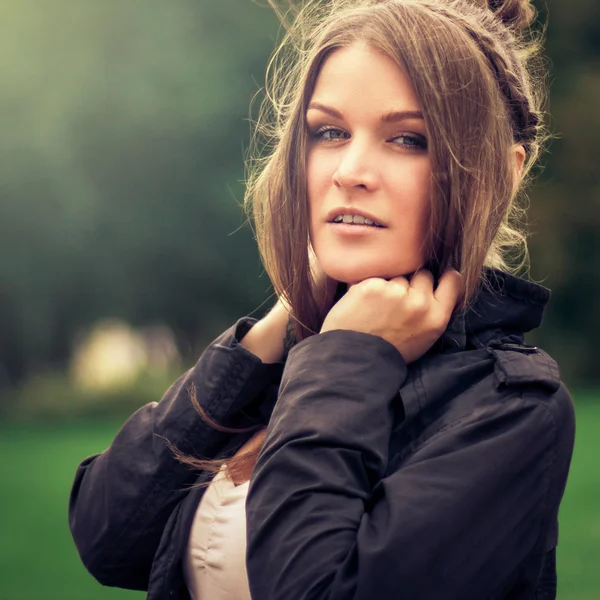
410	141
329	134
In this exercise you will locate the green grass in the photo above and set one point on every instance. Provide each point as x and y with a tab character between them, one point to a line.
38	560
579	518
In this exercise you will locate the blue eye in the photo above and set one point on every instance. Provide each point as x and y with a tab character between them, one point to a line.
405	140
416	142
330	134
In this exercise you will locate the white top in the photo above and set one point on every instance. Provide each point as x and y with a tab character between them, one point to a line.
214	564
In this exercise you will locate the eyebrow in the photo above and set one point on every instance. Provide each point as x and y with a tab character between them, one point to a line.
391	117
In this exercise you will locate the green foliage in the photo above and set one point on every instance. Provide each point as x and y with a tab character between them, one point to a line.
565	204
124	126
51	398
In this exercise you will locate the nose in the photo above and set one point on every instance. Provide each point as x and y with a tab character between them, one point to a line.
356	167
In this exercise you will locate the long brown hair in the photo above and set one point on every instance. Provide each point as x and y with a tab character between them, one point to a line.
477	75
477	72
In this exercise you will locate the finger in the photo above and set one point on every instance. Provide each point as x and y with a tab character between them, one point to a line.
401	282
449	289
422	280
365	282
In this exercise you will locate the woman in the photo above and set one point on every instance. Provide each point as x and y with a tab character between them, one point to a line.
416	447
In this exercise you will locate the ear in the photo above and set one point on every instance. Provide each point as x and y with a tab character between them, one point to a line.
519	154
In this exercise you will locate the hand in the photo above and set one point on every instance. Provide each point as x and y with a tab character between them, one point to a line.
411	316
273	336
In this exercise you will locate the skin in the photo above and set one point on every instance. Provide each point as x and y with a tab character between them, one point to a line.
357	162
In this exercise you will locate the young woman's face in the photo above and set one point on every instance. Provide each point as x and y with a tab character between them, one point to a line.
368	169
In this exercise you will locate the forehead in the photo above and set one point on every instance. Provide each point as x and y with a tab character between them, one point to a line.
358	75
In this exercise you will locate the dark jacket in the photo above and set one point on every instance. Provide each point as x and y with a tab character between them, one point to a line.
377	481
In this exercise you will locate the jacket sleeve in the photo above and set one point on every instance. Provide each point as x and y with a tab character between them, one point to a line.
121	499
453	522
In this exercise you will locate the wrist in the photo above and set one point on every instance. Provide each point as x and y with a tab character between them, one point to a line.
266	338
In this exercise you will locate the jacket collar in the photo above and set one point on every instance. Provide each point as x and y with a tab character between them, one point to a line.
505	307
504	302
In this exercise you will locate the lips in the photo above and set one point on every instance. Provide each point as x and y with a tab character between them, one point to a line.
351	215
355	220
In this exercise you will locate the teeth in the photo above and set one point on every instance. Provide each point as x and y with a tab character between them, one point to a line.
355	220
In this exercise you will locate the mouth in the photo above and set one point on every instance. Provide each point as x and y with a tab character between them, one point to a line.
353	217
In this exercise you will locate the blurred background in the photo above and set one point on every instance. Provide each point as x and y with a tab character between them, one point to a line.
124	249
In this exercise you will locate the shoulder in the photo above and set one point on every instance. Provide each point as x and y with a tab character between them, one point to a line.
498	421
504	391
533	375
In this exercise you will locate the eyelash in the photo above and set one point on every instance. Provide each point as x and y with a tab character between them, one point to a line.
417	142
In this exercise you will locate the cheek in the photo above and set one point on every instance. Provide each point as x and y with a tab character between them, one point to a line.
315	191
412	183
415	176
318	177
422	208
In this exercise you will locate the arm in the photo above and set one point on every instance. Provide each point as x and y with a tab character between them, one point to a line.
121	499
453	522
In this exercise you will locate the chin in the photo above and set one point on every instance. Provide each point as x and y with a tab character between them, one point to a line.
351	274
352	265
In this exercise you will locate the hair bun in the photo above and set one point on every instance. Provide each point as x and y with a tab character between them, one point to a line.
519	14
